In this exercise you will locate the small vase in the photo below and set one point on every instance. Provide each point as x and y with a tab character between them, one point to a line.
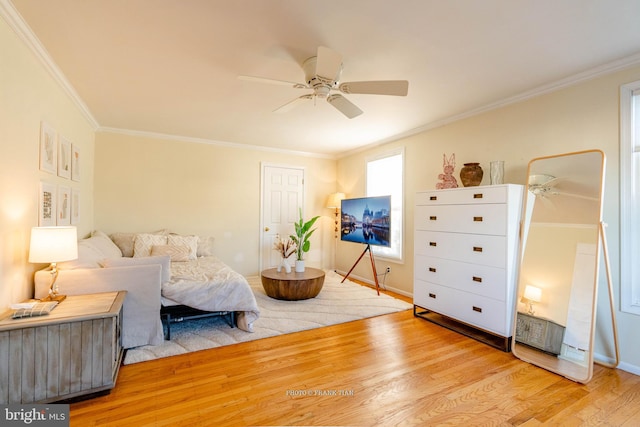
471	174
286	266
299	266
497	172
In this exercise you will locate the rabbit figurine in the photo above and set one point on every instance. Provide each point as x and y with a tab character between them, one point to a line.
447	178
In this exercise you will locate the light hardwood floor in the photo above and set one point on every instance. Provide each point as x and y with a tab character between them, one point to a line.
384	371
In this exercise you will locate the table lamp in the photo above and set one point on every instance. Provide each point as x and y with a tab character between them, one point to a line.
532	294
333	202
53	244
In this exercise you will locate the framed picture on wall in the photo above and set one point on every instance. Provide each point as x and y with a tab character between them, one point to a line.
75	206
64	206
75	162
64	158
47	205
48	148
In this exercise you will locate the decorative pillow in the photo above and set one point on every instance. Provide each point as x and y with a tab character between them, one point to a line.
205	246
164	261
102	243
190	241
125	241
88	257
91	252
144	242
177	253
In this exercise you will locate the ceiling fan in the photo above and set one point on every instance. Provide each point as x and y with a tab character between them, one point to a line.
322	75
543	186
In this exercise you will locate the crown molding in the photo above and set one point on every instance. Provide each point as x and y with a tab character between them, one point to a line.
179	138
590	74
20	27
26	35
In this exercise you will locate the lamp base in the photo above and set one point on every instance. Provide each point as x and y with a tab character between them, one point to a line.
59	298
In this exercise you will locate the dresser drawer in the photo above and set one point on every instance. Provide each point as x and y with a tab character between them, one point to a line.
476	279
469	195
473	248
477	219
482	312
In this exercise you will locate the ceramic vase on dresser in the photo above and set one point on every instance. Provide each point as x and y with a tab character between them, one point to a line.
466	258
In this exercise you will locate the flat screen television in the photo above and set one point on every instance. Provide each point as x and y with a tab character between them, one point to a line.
366	220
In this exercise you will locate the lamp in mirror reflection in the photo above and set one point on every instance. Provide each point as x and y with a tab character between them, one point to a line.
333	202
53	244
532	294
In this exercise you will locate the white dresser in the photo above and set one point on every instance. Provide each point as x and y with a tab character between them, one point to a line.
466	248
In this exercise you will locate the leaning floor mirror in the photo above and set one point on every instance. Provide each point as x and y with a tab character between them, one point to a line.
561	240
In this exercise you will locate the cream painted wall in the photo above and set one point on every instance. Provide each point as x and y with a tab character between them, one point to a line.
144	184
28	95
583	116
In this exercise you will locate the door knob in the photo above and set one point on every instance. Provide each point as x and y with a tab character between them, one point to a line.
266	229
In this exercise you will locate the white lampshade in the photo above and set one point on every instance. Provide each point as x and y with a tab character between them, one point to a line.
533	293
333	201
53	244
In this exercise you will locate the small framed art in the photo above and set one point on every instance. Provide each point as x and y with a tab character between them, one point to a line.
64	206
48	148
75	206
75	162
64	158
47	205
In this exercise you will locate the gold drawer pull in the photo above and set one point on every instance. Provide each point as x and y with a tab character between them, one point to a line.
477	279
477	196
433	218
477	219
433	198
432	270
432	295
433	244
477	249
478	309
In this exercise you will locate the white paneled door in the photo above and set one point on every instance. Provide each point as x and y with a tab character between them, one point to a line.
282	195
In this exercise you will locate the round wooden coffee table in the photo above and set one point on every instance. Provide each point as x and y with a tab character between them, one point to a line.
292	286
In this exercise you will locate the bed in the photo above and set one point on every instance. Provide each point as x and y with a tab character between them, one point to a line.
204	287
158	285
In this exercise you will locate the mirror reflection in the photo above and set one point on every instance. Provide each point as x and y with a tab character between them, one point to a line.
556	295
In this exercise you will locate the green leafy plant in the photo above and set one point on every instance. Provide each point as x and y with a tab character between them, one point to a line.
303	232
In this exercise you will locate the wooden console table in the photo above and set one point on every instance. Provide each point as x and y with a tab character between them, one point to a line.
74	350
292	286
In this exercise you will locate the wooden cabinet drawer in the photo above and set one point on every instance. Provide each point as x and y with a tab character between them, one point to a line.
469	195
477	219
473	248
477	279
482	312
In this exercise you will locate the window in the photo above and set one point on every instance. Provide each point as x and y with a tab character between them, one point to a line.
629	197
385	176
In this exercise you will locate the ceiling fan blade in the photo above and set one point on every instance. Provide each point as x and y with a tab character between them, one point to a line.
343	105
293	104
273	81
328	64
382	87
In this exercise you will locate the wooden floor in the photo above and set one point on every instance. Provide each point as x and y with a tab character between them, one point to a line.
384	371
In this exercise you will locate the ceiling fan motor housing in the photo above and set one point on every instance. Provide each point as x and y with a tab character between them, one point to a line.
321	85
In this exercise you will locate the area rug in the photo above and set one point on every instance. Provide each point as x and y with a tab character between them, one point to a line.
336	303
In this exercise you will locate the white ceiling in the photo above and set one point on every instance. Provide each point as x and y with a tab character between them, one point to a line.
170	66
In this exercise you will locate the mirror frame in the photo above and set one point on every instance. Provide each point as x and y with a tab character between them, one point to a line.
550	362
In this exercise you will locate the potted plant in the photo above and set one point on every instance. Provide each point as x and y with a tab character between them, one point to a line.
301	239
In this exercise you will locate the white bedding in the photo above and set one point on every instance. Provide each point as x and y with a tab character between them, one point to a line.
207	283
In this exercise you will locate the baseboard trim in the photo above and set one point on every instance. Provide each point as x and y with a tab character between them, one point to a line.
371	283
